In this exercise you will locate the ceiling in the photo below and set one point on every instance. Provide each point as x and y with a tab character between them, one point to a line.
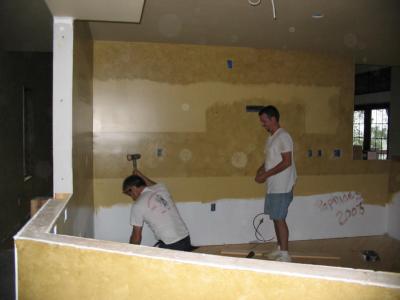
98	10
25	25
368	30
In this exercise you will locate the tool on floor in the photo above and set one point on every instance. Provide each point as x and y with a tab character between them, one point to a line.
134	158
250	254
370	255
260	253
242	253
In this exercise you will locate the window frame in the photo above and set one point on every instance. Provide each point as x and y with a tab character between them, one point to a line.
367	108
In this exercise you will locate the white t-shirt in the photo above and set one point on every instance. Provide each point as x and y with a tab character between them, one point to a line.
279	142
156	207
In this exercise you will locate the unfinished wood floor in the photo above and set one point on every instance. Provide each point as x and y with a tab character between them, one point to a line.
343	252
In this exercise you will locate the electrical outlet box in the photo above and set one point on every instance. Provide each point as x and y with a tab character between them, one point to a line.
337	153
309	153
229	63
160	152
213	206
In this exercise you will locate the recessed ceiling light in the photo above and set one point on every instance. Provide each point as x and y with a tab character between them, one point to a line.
254	2
317	15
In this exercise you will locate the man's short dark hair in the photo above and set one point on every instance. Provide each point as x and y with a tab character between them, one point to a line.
132	180
270	111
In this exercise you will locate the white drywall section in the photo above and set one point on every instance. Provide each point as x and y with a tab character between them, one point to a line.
62	104
312	217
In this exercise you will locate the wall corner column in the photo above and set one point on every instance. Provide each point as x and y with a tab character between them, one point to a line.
63	35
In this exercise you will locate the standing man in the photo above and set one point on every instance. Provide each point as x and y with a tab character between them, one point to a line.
154	205
280	173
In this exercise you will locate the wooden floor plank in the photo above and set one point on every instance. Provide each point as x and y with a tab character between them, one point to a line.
341	252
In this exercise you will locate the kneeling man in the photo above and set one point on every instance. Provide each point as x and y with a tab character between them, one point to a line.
154	205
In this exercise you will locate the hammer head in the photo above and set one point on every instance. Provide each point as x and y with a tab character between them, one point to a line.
133	156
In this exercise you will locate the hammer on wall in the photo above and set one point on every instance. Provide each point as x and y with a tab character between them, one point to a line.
133	158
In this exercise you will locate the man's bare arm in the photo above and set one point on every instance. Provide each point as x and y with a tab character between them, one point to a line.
147	180
136	236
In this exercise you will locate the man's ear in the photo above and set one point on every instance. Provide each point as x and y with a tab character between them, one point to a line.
136	191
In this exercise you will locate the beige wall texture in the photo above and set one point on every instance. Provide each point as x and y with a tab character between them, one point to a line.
64	272
184	110
80	208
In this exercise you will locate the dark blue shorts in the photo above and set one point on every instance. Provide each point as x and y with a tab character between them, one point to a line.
276	205
182	245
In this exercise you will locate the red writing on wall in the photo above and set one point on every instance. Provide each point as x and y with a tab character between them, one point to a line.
337	202
344	216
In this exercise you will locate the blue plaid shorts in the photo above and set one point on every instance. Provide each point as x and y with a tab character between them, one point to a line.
276	205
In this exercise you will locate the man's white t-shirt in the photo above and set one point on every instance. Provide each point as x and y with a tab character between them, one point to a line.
282	182
156	207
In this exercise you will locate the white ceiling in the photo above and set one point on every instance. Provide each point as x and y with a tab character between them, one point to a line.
368	30
98	10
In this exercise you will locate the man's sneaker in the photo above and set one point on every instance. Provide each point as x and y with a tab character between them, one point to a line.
284	258
274	254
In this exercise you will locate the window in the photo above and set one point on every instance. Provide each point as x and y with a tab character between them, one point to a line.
370	130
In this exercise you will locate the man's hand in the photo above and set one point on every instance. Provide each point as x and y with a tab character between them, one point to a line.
286	162
260	174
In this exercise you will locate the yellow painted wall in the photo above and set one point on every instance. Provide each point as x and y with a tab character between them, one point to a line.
184	100
80	207
64	272
203	189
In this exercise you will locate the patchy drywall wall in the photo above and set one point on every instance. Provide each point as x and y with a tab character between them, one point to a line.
183	108
82	153
372	187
